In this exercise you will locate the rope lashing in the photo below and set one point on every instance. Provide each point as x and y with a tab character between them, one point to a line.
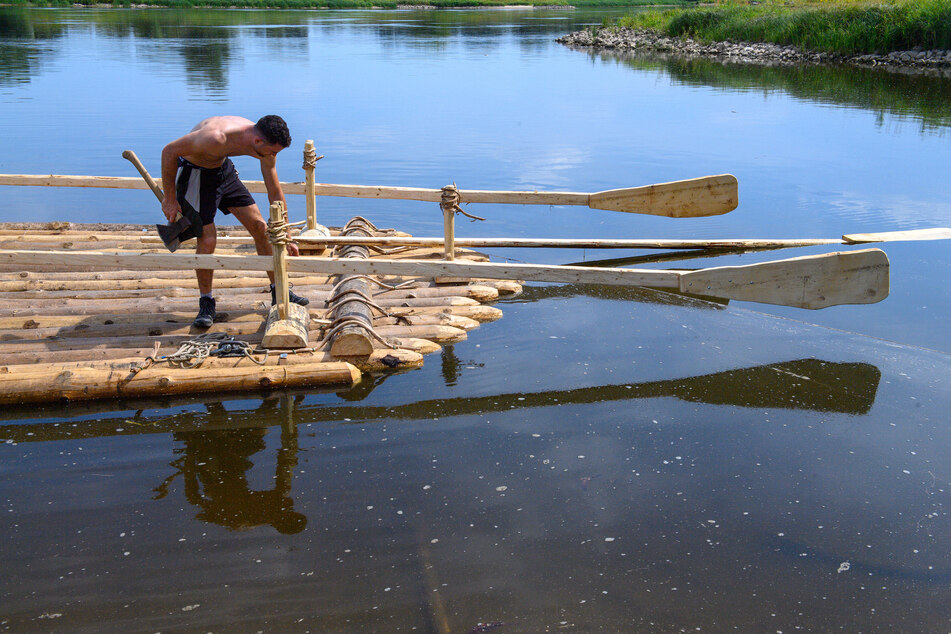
361	297
353	320
311	158
450	202
389	287
192	353
353	223
277	231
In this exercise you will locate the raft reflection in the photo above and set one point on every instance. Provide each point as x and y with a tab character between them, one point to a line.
803	384
214	466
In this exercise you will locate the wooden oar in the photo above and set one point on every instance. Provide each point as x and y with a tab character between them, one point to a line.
695	197
817	281
940	233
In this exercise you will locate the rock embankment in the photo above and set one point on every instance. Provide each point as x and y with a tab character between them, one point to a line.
620	38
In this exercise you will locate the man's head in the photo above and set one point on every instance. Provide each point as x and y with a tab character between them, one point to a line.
273	133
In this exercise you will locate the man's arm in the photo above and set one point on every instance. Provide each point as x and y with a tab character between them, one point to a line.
274	191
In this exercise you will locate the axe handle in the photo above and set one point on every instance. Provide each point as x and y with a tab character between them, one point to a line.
132	158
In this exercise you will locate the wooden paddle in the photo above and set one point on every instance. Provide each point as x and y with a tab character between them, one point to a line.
695	197
817	281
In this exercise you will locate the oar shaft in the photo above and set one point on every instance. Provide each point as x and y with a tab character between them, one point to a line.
569	243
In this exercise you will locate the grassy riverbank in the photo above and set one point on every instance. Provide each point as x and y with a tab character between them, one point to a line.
839	27
341	4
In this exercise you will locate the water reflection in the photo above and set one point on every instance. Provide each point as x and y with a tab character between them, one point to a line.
214	466
921	96
802	384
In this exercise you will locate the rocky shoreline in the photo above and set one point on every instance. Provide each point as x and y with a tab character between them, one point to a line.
621	39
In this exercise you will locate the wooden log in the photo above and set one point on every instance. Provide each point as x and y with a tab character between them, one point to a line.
433	332
287	332
376	361
347	307
147	321
38	307
91	383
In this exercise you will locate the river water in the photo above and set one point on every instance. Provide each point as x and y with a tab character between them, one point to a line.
597	460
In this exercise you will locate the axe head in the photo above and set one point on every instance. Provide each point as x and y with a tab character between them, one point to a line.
174	233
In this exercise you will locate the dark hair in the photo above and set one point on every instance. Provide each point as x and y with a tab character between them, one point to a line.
274	130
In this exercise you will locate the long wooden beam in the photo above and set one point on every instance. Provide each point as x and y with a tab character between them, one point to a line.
704	196
937	233
851	277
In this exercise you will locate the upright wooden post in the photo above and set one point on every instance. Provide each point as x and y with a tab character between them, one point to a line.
310	186
286	322
280	265
448	204
313	231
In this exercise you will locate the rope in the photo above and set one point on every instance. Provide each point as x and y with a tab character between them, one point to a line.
450	202
277	230
192	353
311	158
353	320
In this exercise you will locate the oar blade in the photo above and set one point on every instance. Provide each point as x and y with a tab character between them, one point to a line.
693	198
937	233
815	281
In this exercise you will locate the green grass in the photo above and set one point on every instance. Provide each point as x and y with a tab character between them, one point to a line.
337	4
845	27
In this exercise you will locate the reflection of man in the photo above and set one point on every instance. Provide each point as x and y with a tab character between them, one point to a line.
207	181
214	465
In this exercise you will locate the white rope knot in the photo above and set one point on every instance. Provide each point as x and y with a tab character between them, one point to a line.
450	202
311	158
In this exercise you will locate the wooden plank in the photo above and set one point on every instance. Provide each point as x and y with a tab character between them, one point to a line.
574	243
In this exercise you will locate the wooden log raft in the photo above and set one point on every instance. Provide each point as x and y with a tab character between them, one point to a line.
68	335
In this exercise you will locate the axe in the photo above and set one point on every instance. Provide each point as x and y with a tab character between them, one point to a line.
174	233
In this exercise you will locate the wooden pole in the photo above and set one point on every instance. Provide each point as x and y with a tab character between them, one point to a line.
695	197
851	277
286	325
310	193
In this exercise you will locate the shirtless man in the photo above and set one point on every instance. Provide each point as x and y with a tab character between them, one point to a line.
206	181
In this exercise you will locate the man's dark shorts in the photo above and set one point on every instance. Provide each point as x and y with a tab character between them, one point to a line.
206	190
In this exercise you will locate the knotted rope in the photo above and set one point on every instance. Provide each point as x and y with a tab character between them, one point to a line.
450	202
192	353
277	231
311	158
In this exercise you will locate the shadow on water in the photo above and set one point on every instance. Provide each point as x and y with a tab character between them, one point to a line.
923	97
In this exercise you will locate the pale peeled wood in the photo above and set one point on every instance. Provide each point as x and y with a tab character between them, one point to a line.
91	383
704	196
814	281
309	189
289	332
279	258
118	358
141	321
578	243
937	233
833	292
372	363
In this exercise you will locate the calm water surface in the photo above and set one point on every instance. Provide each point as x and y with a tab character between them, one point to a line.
598	460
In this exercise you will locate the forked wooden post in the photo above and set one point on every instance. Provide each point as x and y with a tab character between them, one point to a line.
286	322
450	200
310	185
313	231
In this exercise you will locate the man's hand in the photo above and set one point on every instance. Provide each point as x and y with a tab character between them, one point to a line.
292	249
171	208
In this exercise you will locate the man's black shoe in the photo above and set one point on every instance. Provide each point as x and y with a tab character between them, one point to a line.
294	297
206	312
